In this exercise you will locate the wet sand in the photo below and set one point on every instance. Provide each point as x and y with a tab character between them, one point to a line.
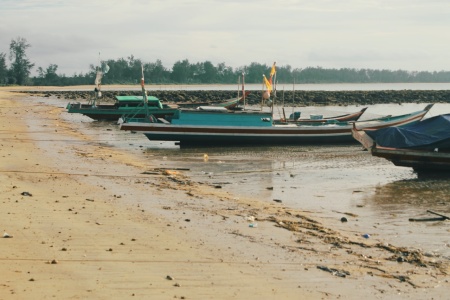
89	220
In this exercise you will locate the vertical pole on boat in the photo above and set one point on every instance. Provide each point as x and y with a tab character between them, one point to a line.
98	78
238	86
284	113
144	92
273	83
262	94
274	90
243	88
293	93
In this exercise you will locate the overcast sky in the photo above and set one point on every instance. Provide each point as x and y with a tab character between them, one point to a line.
410	35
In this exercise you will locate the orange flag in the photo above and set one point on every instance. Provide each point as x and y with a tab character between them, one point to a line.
273	70
267	83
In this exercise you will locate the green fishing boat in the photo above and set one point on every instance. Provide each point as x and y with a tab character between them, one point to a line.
124	105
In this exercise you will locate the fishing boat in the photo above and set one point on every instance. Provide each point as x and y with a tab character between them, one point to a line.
231	104
210	126
129	106
124	105
220	126
423	146
317	118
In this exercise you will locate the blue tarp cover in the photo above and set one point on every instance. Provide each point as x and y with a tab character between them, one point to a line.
427	134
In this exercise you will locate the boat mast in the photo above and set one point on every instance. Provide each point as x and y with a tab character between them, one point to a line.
243	89
238	86
144	92
97	82
262	94
293	95
274	87
100	71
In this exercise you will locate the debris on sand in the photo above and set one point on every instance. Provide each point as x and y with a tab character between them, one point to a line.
7	236
335	272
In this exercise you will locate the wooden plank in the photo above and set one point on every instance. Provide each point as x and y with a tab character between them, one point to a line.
162	120
426	219
437	214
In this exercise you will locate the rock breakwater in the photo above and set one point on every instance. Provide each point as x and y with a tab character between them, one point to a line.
297	98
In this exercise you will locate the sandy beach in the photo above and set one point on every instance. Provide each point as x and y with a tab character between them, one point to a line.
83	220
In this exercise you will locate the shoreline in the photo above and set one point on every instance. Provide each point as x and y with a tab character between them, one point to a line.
126	233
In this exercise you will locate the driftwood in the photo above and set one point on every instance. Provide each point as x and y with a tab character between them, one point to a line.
426	219
335	272
435	213
441	218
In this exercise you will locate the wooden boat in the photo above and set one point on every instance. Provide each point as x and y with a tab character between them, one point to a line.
137	106
423	146
295	118
223	127
134	106
124	105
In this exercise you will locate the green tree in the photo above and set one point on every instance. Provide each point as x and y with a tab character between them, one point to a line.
156	72
182	72
255	72
118	71
284	74
3	69
210	72
226	74
20	64
205	72
49	75
134	70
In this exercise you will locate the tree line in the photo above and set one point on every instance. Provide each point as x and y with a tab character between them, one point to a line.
128	71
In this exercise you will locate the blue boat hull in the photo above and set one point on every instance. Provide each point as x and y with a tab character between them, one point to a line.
256	129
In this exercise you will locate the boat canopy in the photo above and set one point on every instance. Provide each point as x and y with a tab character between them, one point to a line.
151	100
135	98
429	134
129	98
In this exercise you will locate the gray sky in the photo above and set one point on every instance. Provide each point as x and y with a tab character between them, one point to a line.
377	34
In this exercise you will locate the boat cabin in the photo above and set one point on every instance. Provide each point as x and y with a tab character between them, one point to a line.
221	117
136	101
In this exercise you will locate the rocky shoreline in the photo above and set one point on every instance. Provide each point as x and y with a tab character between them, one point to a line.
298	98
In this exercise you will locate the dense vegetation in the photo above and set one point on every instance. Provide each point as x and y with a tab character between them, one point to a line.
128	71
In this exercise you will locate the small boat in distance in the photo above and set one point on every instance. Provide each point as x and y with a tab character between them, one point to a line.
423	146
295	118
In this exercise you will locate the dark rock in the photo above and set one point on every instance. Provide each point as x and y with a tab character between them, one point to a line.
298	98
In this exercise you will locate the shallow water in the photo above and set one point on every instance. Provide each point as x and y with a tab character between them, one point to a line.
375	196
